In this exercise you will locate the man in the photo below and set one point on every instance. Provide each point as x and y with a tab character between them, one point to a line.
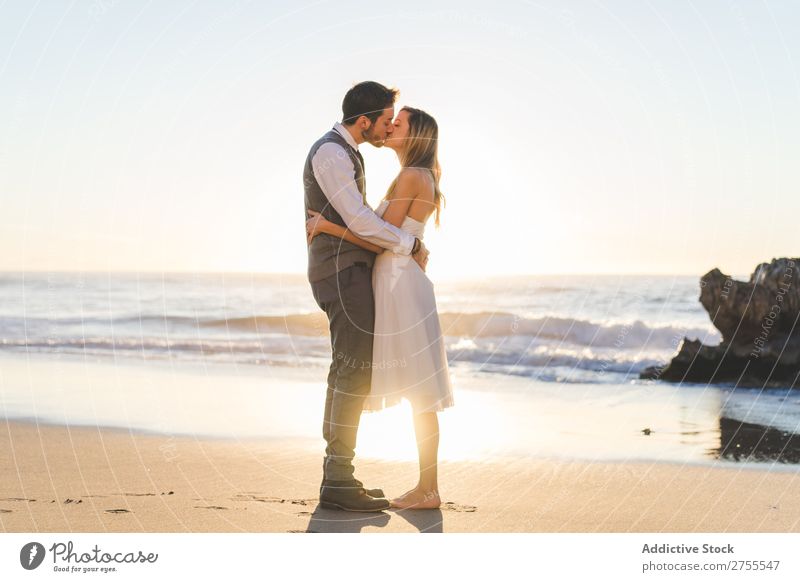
340	274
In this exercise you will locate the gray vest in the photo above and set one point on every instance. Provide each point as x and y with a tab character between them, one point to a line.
327	254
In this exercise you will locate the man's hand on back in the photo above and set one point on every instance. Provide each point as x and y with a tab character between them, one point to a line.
421	256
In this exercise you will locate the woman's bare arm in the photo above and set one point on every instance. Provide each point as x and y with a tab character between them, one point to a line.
317	224
338	231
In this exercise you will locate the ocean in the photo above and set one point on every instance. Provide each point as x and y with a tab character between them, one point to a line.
597	329
575	338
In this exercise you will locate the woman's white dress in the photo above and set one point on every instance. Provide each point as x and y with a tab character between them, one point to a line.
408	355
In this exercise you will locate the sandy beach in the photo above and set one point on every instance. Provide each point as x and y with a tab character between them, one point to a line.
157	447
87	479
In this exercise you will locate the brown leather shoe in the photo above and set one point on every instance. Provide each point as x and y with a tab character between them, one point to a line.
371	492
350	499
377	492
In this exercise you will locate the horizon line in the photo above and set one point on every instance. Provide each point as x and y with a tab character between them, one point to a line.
302	273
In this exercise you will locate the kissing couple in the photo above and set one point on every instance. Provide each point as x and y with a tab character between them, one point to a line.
367	273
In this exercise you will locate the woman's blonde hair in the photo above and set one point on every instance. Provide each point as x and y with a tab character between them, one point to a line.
422	151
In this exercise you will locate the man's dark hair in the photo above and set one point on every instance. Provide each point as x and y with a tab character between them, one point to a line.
368	99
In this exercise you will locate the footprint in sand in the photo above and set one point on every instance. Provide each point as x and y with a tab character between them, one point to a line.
6	510
68	500
99	495
268	499
450	506
149	494
117	511
259	498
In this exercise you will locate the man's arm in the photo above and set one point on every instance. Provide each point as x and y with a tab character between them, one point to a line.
335	174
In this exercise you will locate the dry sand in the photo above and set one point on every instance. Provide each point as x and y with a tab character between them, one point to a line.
79	479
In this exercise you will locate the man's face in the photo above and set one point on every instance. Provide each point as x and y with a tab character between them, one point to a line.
377	132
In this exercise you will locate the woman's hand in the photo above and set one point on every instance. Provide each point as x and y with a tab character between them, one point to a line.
315	225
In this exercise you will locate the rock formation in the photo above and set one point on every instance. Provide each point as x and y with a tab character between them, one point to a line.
760	325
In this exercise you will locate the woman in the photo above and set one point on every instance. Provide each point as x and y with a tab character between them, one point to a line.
409	359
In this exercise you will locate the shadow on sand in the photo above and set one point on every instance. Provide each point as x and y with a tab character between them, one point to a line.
334	521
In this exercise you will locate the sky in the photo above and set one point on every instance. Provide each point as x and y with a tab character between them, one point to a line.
575	137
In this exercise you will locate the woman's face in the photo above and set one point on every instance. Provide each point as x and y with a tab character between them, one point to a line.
397	140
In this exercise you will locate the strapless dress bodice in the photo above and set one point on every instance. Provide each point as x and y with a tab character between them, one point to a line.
410	225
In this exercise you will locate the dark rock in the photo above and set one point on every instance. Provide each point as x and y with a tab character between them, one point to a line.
758	320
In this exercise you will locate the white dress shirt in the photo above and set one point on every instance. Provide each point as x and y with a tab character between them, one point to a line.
335	173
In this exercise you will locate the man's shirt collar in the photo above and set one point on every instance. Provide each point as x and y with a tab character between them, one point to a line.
346	135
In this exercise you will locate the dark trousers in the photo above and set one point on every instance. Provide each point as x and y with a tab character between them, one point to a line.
347	299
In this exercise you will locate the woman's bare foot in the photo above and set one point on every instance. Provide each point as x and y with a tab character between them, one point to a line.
417	498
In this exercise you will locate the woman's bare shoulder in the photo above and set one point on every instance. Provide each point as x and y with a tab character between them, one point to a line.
417	182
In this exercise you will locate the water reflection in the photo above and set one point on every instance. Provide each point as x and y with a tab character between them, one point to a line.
744	441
